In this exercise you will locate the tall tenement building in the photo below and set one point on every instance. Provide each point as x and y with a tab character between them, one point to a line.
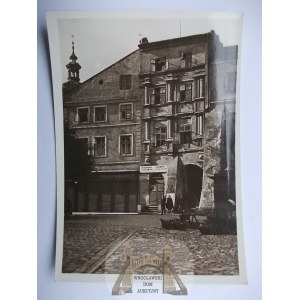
159	121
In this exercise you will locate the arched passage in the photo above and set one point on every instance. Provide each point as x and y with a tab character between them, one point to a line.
193	175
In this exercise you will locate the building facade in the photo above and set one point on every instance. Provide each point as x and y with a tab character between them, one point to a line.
105	111
159	121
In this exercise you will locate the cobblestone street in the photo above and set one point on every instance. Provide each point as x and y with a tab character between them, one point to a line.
97	244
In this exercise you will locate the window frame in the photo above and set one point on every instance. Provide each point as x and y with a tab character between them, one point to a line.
156	93
187	58
158	62
160	134
125	76
88	114
131	146
105	145
184	131
120	113
98	106
185	91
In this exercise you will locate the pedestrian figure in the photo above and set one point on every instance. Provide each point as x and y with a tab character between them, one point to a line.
169	204
181	204
163	204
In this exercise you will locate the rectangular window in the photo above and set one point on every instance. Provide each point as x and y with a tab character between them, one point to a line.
100	146
160	136
200	87
158	64
83	114
126	144
185	134
157	95
186	60
125	82
126	111
100	114
185	92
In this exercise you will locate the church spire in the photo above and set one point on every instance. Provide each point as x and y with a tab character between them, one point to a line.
73	71
73	66
73	57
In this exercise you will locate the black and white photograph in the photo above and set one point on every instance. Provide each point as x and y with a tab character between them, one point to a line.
147	146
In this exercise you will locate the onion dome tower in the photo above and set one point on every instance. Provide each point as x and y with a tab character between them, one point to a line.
73	72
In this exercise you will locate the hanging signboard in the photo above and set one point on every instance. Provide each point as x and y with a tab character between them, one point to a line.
154	169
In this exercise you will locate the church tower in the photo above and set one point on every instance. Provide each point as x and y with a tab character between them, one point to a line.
73	72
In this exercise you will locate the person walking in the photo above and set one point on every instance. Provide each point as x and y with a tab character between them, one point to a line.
169	204
181	204
163	204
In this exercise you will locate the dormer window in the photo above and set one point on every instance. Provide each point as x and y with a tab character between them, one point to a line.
158	64
186	60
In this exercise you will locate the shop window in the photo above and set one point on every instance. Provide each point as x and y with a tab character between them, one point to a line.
125	82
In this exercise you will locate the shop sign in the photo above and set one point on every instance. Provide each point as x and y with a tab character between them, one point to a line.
154	169
116	177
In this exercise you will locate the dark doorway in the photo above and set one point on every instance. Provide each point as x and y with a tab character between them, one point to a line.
157	188
193	185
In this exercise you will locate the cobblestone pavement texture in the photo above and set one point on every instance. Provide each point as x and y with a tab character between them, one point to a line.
192	253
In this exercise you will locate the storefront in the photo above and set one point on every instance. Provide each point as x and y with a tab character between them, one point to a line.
105	193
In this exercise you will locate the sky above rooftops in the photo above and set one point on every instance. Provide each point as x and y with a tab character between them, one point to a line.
100	42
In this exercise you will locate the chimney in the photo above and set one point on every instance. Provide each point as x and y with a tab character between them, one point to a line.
144	41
